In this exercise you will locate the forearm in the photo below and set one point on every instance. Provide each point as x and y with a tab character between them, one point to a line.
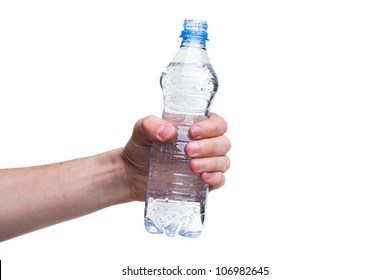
37	197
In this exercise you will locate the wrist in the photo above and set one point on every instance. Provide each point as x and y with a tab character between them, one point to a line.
113	182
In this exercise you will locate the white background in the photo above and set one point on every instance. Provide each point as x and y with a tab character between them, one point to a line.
304	86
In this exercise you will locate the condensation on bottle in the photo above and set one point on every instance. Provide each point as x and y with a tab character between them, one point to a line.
176	197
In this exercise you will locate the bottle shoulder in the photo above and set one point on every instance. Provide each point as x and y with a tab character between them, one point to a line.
190	55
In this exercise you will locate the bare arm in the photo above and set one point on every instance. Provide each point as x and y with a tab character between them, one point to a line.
37	197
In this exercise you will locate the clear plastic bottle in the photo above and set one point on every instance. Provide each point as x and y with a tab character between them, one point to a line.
176	197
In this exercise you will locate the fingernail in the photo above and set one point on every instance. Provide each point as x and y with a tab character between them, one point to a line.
196	131
207	176
164	131
198	165
192	148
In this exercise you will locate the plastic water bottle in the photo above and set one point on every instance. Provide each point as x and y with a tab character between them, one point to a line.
176	197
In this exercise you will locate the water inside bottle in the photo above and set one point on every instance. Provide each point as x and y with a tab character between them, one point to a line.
188	87
176	197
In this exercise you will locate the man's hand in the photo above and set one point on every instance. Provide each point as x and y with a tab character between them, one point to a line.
207	150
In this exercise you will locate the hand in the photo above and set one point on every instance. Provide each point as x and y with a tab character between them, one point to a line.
208	151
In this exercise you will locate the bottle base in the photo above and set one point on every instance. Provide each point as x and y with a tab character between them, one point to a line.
173	218
170	230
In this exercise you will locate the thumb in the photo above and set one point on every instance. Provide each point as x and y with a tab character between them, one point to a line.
152	129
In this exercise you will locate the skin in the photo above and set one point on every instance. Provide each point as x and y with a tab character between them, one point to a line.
32	198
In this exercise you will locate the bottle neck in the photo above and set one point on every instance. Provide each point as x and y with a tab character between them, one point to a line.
193	42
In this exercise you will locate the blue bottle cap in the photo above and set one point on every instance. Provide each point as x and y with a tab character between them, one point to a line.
195	28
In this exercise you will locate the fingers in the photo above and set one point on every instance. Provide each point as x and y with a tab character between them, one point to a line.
215	180
213	164
150	129
217	146
212	127
211	169
208	152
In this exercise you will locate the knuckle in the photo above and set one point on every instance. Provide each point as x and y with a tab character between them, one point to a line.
228	144
217	165
213	147
214	128
219	180
224	125
145	122
216	181
227	163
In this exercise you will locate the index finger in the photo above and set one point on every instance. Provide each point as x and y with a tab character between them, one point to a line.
214	126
